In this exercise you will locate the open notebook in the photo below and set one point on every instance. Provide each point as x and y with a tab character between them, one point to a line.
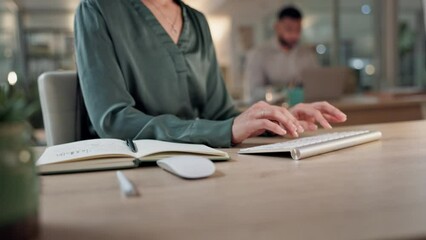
104	154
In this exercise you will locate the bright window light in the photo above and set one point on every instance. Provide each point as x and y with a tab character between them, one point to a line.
12	78
365	9
321	49
370	69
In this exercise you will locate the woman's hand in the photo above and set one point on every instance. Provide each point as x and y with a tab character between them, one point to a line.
263	117
318	112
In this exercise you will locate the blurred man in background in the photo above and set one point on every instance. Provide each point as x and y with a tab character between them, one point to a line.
281	61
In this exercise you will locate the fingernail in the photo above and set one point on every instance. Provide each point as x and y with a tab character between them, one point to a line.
327	125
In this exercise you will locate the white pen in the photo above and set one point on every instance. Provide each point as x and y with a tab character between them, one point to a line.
126	186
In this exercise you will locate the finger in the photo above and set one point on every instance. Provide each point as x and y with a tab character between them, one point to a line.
291	123
318	117
257	133
299	112
326	107
309	126
331	118
262	113
284	119
261	110
275	115
282	116
306	118
264	124
321	120
257	110
293	119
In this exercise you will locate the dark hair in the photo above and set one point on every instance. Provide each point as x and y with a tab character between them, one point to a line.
290	12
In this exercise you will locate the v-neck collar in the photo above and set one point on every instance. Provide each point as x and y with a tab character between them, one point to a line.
159	29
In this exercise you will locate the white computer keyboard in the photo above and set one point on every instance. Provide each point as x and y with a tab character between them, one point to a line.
310	146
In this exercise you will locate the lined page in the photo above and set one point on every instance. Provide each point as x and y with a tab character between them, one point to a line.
84	150
148	147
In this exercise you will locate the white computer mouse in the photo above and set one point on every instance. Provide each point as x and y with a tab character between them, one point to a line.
188	166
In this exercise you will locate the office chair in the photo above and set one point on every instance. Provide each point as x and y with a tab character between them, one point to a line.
64	115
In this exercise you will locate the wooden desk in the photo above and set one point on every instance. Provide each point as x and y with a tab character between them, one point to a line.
382	108
372	191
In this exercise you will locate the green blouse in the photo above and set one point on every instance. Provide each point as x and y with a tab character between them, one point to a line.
137	83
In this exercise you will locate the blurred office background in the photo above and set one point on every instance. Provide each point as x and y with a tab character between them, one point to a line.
382	40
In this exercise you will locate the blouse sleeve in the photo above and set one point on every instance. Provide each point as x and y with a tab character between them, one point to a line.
111	107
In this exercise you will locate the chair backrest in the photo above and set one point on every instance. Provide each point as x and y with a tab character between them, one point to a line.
60	107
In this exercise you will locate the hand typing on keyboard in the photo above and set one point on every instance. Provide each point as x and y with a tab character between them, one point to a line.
317	112
262	117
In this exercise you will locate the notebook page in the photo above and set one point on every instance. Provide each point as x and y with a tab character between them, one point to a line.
84	150
149	147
